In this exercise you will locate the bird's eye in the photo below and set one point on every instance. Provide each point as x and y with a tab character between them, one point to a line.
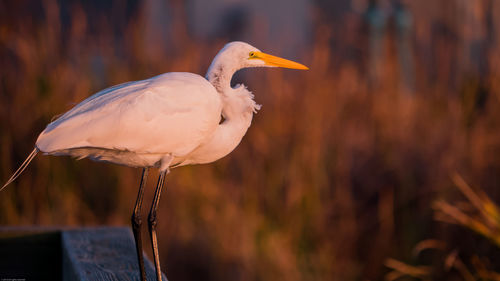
252	54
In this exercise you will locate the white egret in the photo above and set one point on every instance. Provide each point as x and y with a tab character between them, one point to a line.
170	120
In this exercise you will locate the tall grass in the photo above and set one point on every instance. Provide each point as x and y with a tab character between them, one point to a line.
479	214
334	176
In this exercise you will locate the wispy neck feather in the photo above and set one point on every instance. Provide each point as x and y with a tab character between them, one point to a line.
238	101
238	108
239	104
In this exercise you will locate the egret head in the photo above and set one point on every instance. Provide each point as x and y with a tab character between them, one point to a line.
237	55
241	55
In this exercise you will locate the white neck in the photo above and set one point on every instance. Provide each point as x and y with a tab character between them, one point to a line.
237	110
237	102
219	74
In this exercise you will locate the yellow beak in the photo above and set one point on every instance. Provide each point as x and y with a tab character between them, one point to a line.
277	61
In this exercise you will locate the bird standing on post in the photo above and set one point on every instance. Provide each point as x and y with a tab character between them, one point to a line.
171	120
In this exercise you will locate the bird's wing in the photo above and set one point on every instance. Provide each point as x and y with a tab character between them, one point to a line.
169	113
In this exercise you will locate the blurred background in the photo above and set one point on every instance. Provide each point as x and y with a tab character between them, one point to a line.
381	162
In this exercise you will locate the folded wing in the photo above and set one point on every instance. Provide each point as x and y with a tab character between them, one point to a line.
170	113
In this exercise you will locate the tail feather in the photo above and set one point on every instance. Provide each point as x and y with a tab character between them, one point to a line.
21	168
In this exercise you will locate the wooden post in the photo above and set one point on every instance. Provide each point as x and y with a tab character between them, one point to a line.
90	253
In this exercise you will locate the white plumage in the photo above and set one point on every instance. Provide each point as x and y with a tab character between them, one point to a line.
139	124
170	120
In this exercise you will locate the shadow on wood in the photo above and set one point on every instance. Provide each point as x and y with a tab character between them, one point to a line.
95	253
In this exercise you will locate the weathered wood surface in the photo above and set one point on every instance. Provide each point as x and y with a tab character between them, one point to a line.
101	254
95	253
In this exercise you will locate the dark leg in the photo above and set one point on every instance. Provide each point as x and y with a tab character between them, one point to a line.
152	222
137	222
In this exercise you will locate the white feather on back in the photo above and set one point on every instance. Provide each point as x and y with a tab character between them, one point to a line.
168	114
